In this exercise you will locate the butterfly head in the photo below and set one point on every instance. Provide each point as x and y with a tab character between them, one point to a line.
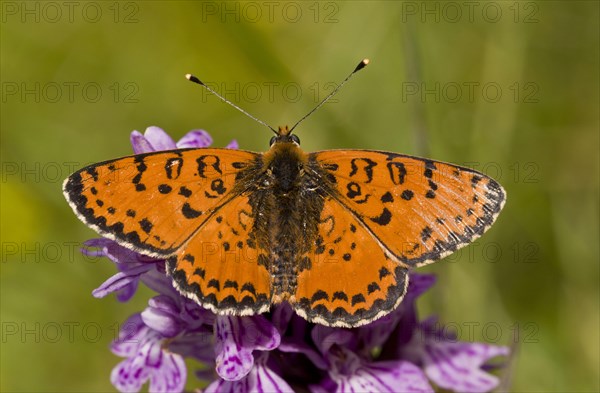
284	135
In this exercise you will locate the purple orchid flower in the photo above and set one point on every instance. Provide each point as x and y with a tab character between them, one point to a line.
277	351
146	360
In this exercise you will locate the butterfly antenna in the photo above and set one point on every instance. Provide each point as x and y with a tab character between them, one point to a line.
359	67
194	79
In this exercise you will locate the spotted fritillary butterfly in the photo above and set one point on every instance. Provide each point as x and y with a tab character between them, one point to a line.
333	233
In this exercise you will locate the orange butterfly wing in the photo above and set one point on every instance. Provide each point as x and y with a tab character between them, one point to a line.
347	280
419	210
187	205
223	268
153	203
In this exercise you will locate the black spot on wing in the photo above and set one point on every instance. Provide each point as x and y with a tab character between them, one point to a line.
190	213
208	163
407	195
214	283
184	191
429	164
330	166
384	218
397	172
141	168
164	188
200	272
368	168
426	234
340	295
319	295
93	172
173	167
387	197
383	272
358	298
217	186
353	190
248	287
230	284
372	287
146	225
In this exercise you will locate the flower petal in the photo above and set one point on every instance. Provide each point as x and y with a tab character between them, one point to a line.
392	376
233	145
195	138
147	359
170	376
126	378
325	337
159	139
130	337
398	327
260	333
159	282
162	315
260	380
458	366
115	252
139	143
281	315
121	280
236	338
127	292
198	345
419	284
301	347
233	361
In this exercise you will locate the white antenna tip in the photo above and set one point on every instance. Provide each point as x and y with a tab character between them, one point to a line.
188	76
361	65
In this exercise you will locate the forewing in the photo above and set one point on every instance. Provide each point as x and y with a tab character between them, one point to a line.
347	280
152	203
421	210
221	267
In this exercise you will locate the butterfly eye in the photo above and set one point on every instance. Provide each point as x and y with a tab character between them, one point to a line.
272	141
295	139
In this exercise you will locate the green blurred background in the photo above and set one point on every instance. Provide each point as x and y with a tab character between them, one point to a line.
510	88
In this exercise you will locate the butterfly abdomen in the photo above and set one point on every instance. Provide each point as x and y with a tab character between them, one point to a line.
289	212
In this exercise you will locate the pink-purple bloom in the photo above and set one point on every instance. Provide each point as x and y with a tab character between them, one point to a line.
277	351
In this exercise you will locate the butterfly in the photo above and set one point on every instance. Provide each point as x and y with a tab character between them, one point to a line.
334	233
